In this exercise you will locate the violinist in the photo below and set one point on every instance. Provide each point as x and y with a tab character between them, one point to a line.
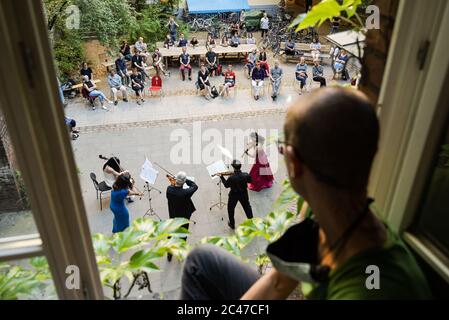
238	182
180	204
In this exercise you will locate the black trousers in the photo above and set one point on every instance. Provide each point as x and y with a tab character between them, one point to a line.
321	80
212	273
232	202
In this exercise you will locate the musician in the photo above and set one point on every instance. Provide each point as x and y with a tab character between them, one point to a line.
112	169
180	204
123	188
238	182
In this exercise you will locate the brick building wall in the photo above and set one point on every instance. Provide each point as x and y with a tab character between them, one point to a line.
377	47
10	198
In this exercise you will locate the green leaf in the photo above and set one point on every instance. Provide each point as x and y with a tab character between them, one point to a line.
126	240
325	10
102	244
350	6
143	259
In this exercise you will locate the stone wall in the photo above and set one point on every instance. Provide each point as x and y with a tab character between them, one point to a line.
377	47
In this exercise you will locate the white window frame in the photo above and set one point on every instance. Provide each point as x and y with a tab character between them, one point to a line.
35	119
412	118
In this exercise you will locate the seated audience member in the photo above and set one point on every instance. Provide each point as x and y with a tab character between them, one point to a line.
71	125
334	52
315	48
225	41
211	60
257	77
122	71
184	60
137	85
86	71
158	64
263	59
250	39
290	47
194	42
210	41
168	42
340	64
91	88
137	62
301	73
116	85
125	50
276	74
235	40
318	73
141	47
203	82
331	138
229	81
143	50
251	61
182	41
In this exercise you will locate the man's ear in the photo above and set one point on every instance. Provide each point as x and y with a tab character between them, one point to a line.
295	167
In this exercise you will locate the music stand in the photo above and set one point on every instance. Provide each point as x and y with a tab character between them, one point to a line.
149	174
150	212
213	169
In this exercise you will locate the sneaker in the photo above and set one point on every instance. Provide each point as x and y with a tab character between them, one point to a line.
231	226
190	78
75	131
125	100
104	107
110	102
130	200
115	102
143	100
75	136
138	102
93	108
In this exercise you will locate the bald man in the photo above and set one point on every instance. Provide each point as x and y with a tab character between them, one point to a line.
330	141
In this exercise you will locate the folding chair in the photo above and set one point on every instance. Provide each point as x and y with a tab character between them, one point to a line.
100	188
86	95
156	86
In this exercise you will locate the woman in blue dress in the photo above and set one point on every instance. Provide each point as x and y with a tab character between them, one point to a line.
122	188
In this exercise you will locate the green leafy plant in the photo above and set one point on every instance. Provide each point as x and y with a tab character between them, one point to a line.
69	53
134	252
325	10
18	282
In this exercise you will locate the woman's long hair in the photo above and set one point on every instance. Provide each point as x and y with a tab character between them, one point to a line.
114	163
123	181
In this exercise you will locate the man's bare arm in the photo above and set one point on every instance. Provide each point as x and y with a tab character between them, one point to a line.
271	286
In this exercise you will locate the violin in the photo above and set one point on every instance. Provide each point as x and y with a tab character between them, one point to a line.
227	173
171	179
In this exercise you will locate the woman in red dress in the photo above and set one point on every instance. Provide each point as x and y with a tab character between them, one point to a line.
261	175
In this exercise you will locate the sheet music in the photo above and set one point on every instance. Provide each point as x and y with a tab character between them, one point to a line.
216	167
148	173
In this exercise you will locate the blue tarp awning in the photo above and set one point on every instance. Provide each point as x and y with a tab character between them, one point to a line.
201	6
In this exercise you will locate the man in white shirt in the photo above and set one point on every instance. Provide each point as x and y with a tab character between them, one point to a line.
264	25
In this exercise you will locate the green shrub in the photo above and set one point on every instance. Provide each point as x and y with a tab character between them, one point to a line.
68	53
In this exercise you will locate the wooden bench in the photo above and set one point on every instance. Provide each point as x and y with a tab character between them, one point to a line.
305	48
